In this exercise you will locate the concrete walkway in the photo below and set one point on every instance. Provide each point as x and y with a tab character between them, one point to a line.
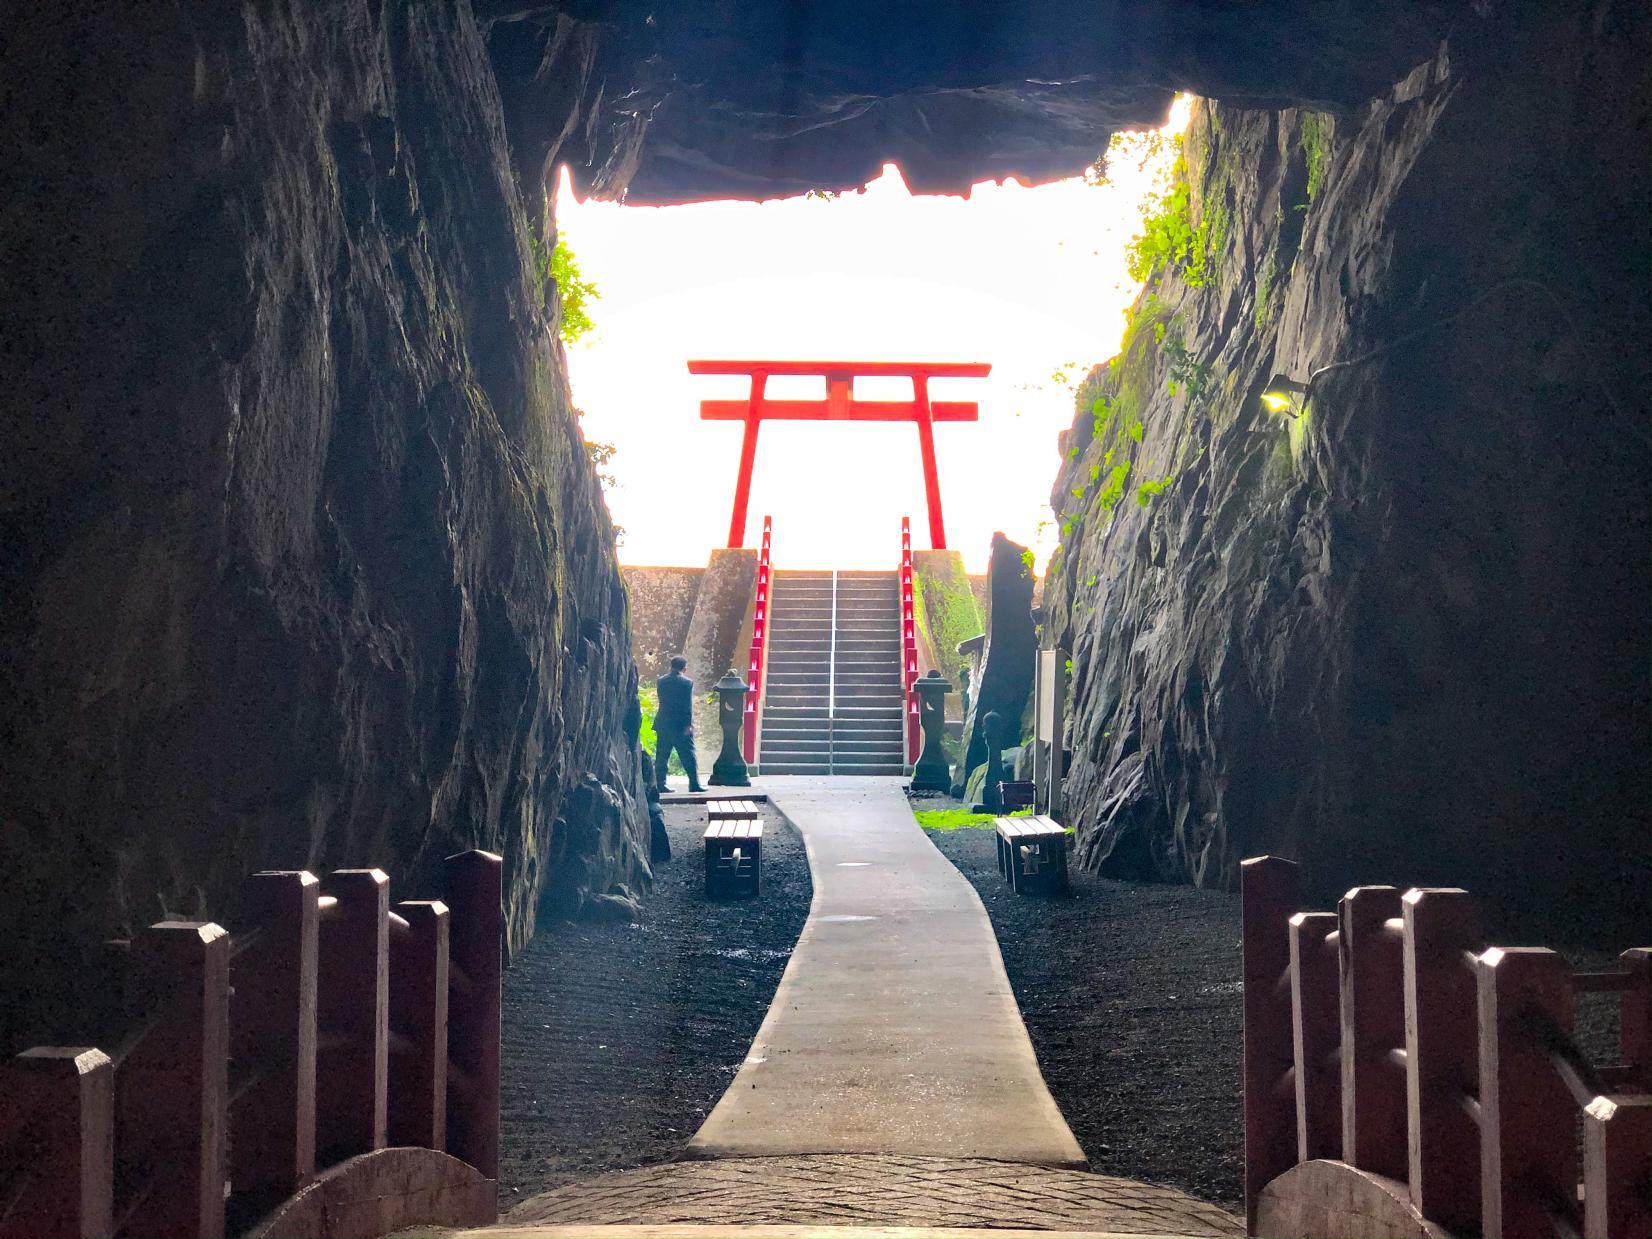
894	1030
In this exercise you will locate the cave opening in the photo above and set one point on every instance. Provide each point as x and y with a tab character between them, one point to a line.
306	569
1033	280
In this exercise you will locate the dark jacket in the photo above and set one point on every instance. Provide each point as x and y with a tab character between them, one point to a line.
676	711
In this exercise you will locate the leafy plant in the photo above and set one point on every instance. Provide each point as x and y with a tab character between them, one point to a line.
601	455
574	292
1170	240
648	700
960	819
1149	491
1315	137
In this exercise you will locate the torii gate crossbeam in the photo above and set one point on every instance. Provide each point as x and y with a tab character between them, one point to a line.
840	405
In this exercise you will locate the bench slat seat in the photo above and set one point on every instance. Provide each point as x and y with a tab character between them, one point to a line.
735	828
720	810
1032	853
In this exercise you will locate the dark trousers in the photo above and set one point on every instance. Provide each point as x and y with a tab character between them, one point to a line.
681	741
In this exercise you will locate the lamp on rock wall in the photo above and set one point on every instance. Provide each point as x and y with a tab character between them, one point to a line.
1283	395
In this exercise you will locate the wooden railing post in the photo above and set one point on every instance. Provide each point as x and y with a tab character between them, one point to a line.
477	939
1372	973
1617	1168
172	1088
1528	1138
418	1025
273	1036
61	1103
353	1011
1635	1017
1441	1055
1269	893
1315	1033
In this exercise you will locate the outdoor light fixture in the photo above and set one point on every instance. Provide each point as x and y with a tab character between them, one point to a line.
1283	395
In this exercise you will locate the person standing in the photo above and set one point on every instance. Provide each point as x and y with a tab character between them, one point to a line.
674	725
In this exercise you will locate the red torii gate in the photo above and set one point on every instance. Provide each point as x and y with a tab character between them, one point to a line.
840	405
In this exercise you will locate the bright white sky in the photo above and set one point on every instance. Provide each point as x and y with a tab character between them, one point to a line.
1031	280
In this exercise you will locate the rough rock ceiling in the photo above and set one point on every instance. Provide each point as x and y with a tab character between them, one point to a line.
698	99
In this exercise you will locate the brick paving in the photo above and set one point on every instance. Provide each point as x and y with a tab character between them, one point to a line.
875	1190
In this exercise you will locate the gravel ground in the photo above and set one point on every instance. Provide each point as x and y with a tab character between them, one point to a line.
618	1039
1131	993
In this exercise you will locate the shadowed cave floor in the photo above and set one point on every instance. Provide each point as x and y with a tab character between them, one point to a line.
1131	994
618	1039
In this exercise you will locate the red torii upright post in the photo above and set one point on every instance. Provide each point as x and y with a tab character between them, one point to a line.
840	405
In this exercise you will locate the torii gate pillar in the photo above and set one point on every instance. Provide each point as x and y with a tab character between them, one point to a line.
840	405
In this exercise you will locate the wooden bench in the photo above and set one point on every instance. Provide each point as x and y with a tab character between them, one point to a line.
734	857
1032	853
725	810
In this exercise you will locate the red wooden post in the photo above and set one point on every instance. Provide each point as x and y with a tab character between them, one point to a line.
748	456
1617	1167
273	1034
1268	886
353	1010
1441	1055
172	1088
926	447
1373	1025
473	893
418	1025
1528	1139
61	1103
1315	1034
1635	1016
838	406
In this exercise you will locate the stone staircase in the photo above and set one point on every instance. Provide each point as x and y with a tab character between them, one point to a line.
832	694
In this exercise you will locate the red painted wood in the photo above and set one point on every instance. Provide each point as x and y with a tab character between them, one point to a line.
840	405
1617	1168
1268	886
909	644
58	1105
1372	972
417	1100
926	448
1528	1138
352	1061
172	1087
1442	1055
758	654
859	369
1635	1016
476	949
752	414
1316	1034
843	410
273	1034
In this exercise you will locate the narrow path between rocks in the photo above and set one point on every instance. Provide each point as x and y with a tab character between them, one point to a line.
892	1082
894	1030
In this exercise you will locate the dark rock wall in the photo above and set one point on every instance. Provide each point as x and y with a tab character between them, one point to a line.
755	99
1006	682
302	560
1406	637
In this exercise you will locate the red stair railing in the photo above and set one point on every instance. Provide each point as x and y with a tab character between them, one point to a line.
909	643
759	643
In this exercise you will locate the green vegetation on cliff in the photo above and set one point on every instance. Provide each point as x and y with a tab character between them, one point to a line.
574	291
945	609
